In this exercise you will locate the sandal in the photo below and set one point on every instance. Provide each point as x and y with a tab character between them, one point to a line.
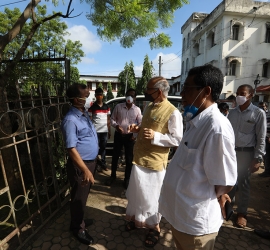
153	237
130	226
241	220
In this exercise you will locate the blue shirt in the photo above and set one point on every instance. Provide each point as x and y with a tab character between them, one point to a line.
79	133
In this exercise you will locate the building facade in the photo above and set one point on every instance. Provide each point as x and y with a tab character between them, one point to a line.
234	37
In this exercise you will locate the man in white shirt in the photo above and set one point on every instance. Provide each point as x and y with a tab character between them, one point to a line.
203	169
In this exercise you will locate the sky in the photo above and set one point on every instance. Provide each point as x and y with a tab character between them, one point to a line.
104	58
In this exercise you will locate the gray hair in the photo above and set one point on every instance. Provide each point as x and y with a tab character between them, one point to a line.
163	85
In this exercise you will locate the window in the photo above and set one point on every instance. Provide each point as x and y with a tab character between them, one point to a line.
188	40
182	68
187	65
232	68
267	34
184	44
265	69
235	32
213	39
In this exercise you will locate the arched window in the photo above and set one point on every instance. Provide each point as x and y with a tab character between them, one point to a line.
187	65
265	71
184	44
183	68
188	40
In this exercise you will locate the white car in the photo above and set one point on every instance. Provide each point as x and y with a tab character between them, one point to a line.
141	103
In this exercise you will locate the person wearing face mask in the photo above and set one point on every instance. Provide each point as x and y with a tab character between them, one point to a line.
249	125
203	169
123	115
224	108
100	114
161	128
82	146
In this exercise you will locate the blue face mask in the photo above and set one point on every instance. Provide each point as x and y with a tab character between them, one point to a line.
190	110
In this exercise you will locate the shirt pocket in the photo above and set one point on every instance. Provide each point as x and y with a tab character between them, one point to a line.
190	157
247	127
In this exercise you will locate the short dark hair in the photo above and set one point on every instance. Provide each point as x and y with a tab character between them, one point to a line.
131	89
99	91
74	91
208	75
249	87
223	106
263	103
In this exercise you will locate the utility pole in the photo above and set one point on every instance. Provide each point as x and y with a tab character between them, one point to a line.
159	66
126	83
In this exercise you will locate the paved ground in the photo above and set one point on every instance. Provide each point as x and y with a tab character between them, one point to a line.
107	206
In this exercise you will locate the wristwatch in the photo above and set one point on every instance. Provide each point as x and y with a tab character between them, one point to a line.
259	160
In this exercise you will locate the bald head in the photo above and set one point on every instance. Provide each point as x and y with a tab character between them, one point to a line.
161	83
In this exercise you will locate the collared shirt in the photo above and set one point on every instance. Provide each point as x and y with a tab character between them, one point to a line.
100	116
175	127
250	128
205	157
124	117
79	132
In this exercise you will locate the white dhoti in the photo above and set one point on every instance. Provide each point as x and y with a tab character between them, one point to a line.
143	194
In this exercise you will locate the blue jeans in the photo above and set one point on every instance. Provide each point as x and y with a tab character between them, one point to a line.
102	141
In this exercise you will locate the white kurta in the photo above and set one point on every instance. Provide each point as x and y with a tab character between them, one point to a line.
144	185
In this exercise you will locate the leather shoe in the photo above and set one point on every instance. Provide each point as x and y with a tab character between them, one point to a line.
84	237
262	233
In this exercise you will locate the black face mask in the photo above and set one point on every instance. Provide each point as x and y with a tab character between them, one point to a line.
148	97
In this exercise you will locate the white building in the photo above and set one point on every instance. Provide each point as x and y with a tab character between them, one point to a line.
234	37
94	80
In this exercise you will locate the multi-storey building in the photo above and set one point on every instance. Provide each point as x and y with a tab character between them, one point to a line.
235	37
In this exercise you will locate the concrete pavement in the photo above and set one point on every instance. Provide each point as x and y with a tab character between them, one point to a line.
106	205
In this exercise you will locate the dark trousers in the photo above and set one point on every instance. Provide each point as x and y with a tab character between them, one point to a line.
120	141
266	158
102	141
79	194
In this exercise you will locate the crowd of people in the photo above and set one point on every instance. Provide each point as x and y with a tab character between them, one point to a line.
211	167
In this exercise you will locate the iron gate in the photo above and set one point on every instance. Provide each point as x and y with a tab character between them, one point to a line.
33	184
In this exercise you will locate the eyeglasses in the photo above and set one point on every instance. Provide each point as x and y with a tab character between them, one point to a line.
186	87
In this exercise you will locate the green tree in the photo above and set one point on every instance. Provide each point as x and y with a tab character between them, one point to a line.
126	77
109	95
129	20
147	74
100	85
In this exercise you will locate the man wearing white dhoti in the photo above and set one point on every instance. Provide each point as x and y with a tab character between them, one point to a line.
161	128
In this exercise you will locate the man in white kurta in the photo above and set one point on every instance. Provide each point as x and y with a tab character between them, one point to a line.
161	128
203	168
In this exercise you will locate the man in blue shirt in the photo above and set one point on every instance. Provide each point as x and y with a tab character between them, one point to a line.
82	145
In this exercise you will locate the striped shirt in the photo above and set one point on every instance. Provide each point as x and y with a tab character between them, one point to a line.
249	128
100	116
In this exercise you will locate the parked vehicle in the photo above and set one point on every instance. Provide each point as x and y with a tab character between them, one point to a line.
141	103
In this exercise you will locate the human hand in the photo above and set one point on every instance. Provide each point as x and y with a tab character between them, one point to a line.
222	200
119	129
254	166
133	128
148	133
87	177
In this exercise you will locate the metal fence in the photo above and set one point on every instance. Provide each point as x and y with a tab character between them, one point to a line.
33	183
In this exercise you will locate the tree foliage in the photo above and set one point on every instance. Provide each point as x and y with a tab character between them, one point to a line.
126	79
147	74
109	95
100	85
129	20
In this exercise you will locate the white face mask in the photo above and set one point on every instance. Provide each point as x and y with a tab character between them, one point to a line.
240	100
129	99
88	102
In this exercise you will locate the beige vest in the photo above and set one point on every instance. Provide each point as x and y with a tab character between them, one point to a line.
147	155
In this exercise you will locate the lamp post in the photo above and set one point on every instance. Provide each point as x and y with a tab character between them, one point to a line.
256	83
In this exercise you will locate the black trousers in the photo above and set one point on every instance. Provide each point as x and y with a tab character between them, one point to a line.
120	141
79	194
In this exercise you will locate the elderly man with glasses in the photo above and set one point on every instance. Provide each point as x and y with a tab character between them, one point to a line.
161	128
